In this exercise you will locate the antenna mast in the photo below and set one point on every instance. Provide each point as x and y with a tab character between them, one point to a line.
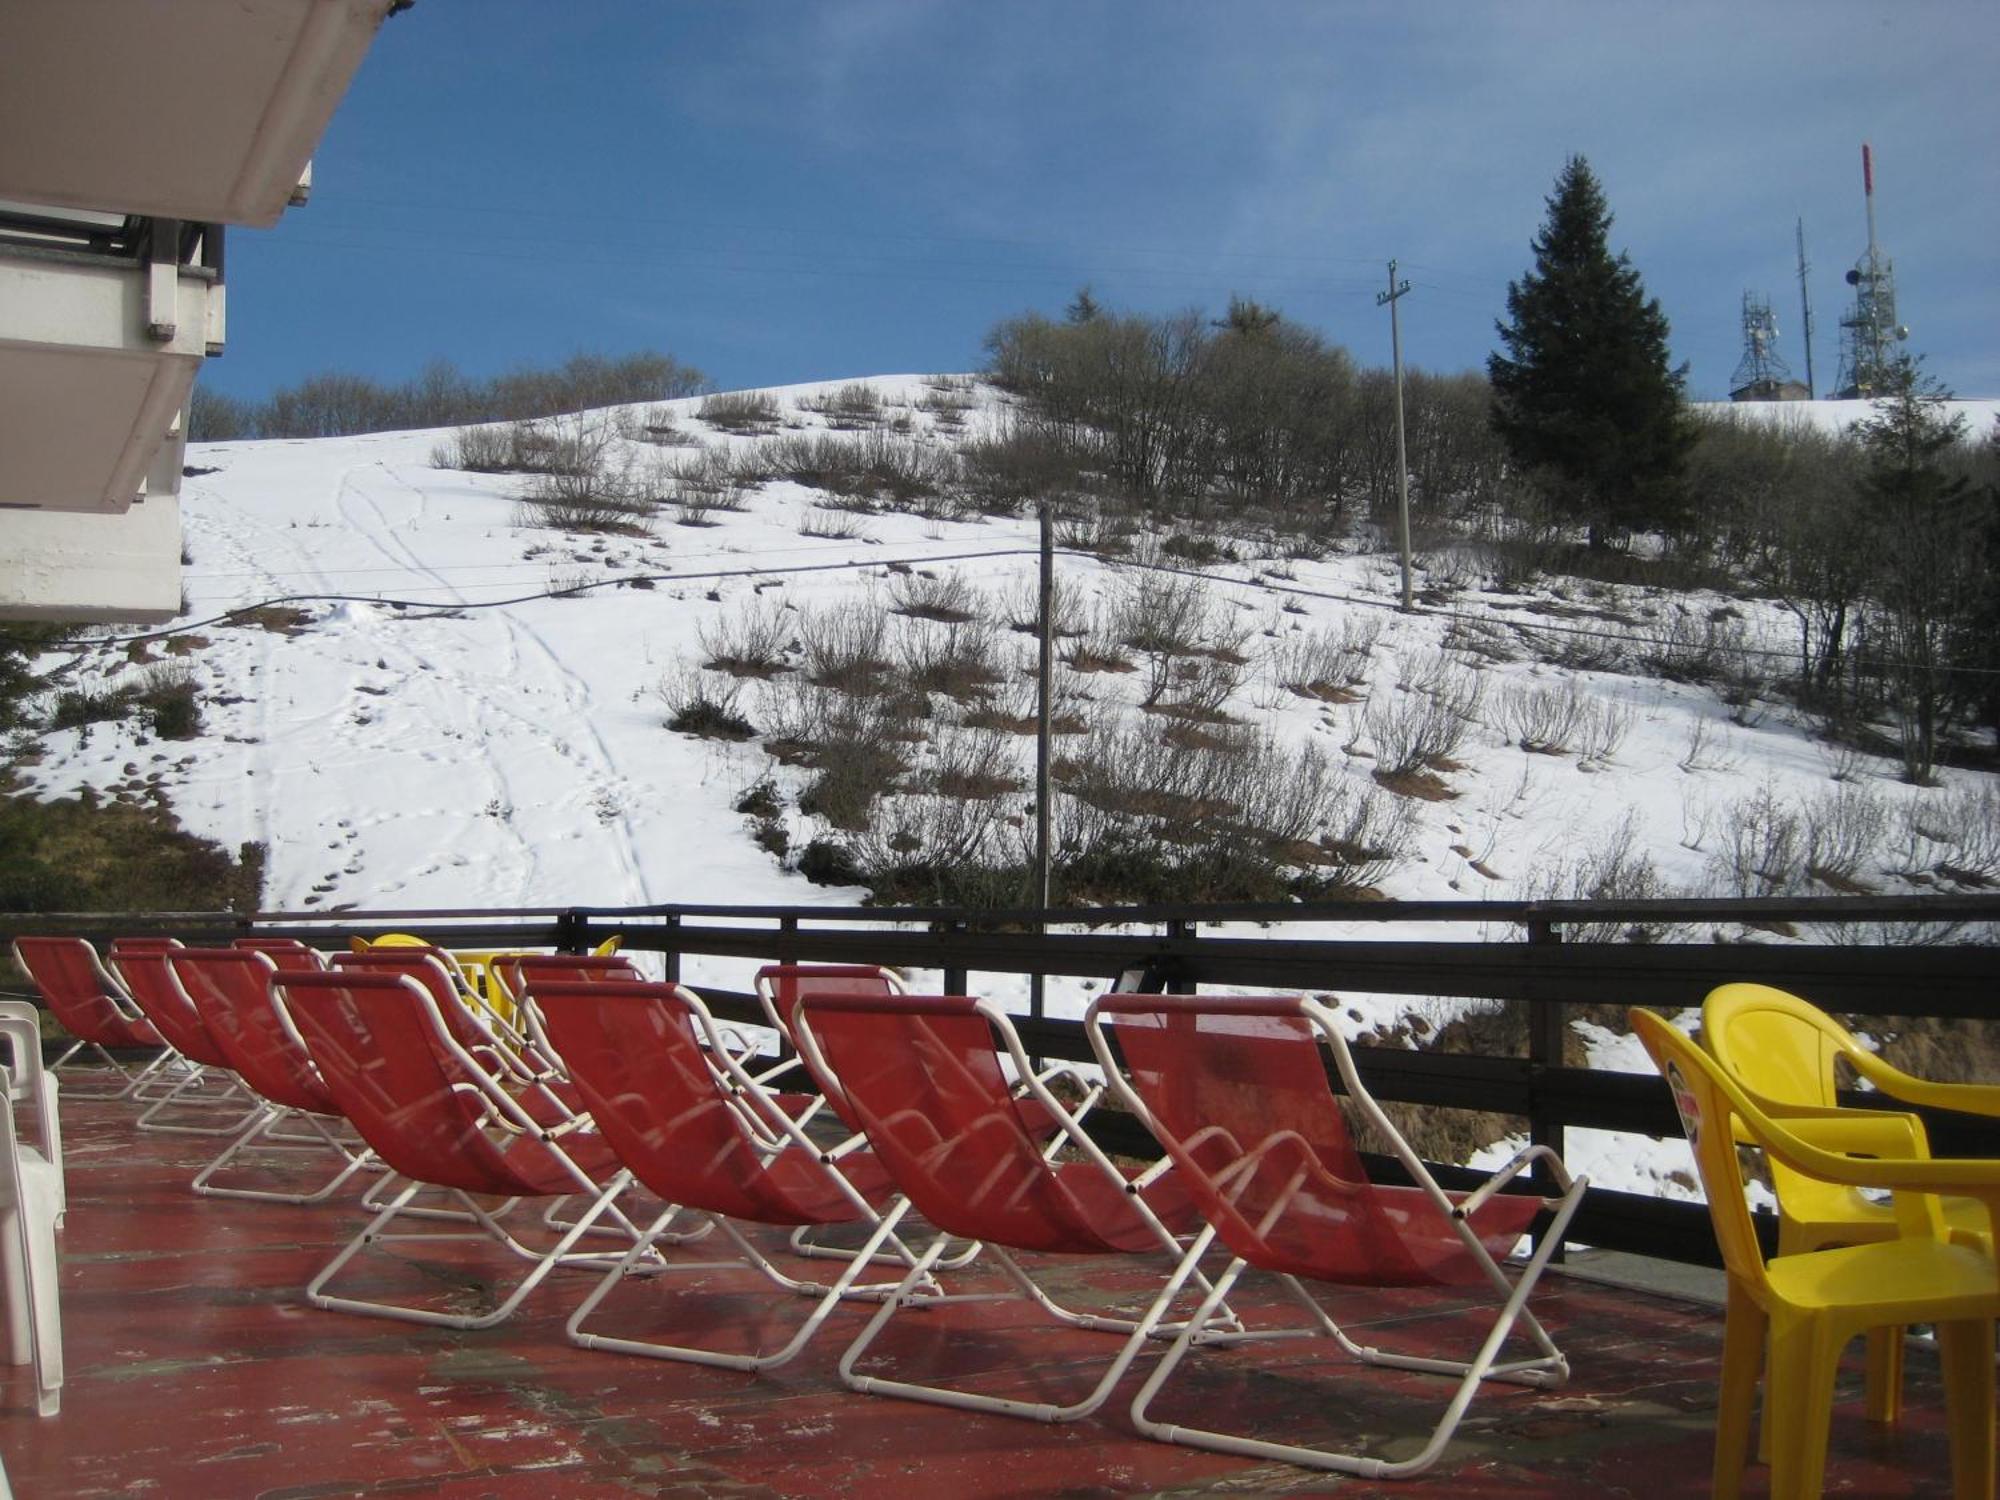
1870	333
1805	312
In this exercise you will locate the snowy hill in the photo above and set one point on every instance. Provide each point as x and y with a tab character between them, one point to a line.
434	730
448	705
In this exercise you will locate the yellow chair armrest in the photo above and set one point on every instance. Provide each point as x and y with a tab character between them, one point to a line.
1967	1098
1861	1132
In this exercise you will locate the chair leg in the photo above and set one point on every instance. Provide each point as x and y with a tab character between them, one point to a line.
1885	1374
1965	1352
1798	1401
1743	1335
830	1296
260	1130
1041	1411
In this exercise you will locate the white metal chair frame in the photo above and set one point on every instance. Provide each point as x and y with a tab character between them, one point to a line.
201	1087
1548	1368
139	1083
775	1133
33	1209
503	1116
914	1289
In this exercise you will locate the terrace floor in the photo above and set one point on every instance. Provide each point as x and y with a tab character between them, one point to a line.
196	1368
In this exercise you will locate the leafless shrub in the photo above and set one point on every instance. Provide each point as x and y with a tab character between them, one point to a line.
856	747
1685	646
749	643
1423	726
929	596
1708	746
831	526
489	449
948	407
1950	837
1098	531
1020	465
878	468
1580	650
853	407
846	648
1605	725
1613	867
955	657
658	425
703	704
1545	720
1485	640
1763	850
977	764
1014	707
741	411
1022	609
1843	837
1326	665
1198	687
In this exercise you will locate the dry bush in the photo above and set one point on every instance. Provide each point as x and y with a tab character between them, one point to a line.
1198	688
1161	614
1843	837
1614	867
846	648
955	658
1022	609
976	764
877	469
702	704
1545	720
1015	708
1951	837
488	449
857	748
1020	466
948	406
1422	727
1682	646
1605	725
658	425
947	598
1763	849
831	526
854	407
752	642
1326	665
742	412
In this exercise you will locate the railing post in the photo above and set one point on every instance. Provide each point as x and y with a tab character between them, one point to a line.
1179	928
1545	1050
672	949
572	931
956	980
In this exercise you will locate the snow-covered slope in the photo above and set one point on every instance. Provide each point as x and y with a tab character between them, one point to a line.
474	743
432	729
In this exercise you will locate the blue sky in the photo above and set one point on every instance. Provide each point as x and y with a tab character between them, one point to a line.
784	191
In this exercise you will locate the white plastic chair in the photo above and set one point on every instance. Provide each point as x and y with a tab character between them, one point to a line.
32	1204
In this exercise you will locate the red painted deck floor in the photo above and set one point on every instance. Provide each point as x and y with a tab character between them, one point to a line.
196	1368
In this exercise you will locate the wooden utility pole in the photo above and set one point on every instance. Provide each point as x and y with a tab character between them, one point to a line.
1398	289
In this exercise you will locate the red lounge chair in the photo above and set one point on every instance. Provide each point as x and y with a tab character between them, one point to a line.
92	1008
922	1074
438	1119
229	989
286	953
148	977
696	1129
534	1077
1236	1090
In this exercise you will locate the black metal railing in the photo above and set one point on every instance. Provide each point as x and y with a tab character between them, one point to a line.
1513	952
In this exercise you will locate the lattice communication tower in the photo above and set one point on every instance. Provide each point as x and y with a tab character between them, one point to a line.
1870	334
1762	372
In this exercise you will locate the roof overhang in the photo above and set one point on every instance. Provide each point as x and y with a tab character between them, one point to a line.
205	110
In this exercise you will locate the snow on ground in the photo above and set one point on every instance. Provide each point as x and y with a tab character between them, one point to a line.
1838	416
441	734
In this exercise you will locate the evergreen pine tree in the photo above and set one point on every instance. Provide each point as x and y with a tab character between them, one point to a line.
1583	397
1926	536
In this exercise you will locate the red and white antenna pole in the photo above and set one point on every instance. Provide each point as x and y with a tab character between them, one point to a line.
1868	192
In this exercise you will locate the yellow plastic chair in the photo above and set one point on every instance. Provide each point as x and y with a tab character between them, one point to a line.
1810	1305
1783	1050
